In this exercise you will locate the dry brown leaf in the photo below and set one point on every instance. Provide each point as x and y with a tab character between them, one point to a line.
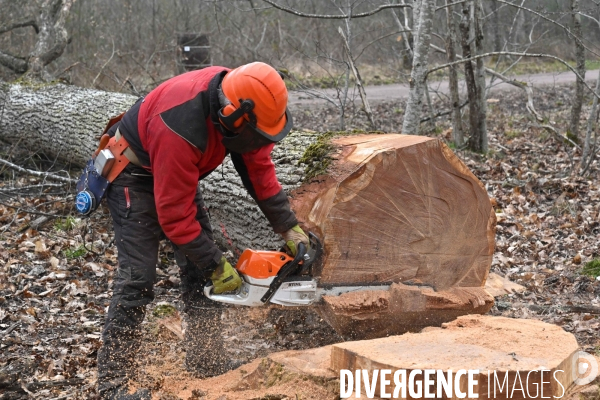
40	246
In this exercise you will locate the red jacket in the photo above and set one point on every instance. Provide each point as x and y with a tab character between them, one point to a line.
176	140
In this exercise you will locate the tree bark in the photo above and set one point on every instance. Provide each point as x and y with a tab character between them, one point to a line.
408	53
388	208
478	137
477	19
16	64
52	38
51	41
457	128
62	121
580	58
418	76
592	119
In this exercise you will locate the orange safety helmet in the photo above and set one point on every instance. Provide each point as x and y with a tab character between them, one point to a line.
258	113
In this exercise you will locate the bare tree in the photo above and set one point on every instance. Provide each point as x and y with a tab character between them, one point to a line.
51	39
457	128
423	17
580	58
359	84
469	28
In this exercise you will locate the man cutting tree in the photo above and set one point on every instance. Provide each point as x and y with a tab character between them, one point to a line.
175	136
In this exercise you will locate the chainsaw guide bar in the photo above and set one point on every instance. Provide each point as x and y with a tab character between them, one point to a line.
274	277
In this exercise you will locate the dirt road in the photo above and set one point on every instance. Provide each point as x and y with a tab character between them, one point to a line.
400	91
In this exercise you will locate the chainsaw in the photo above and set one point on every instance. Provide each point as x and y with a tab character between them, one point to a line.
276	277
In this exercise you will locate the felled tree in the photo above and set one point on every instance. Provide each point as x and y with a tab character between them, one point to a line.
389	209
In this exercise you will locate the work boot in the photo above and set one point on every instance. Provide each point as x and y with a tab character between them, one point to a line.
121	393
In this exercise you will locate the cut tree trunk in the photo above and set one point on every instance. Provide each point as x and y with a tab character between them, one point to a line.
388	208
508	355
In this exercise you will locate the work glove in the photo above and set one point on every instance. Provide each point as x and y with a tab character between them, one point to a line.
293	237
225	278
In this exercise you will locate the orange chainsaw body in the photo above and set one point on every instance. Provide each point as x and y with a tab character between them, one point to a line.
260	264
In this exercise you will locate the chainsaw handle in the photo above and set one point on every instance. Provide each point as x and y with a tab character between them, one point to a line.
248	295
285	271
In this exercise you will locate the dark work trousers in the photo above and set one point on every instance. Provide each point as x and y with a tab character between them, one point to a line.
131	202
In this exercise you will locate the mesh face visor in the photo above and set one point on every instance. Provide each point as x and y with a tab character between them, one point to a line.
248	136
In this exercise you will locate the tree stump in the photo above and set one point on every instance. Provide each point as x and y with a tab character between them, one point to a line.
506	346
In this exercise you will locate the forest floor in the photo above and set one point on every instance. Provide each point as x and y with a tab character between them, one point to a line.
56	277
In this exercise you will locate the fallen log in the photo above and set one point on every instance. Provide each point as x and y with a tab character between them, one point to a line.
61	121
388	208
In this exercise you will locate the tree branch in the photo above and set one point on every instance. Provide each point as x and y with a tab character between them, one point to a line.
443	113
20	24
577	39
46	175
28	211
16	64
321	16
521	85
553	131
449	5
359	85
53	38
30	187
512	53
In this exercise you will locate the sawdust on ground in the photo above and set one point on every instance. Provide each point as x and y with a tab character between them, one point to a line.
260	379
250	335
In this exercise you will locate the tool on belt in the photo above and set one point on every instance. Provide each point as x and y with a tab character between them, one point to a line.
276	277
108	161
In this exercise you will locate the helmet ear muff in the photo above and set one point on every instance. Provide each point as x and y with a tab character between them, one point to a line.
228	110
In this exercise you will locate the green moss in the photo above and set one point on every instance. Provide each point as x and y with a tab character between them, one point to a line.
163	310
25	81
592	268
317	156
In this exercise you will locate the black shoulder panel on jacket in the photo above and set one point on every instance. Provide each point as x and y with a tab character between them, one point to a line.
188	120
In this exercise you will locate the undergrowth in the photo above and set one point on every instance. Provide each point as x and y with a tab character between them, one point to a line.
75	252
592	268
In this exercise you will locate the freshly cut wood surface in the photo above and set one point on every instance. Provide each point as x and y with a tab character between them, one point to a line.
399	208
474	342
402	308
